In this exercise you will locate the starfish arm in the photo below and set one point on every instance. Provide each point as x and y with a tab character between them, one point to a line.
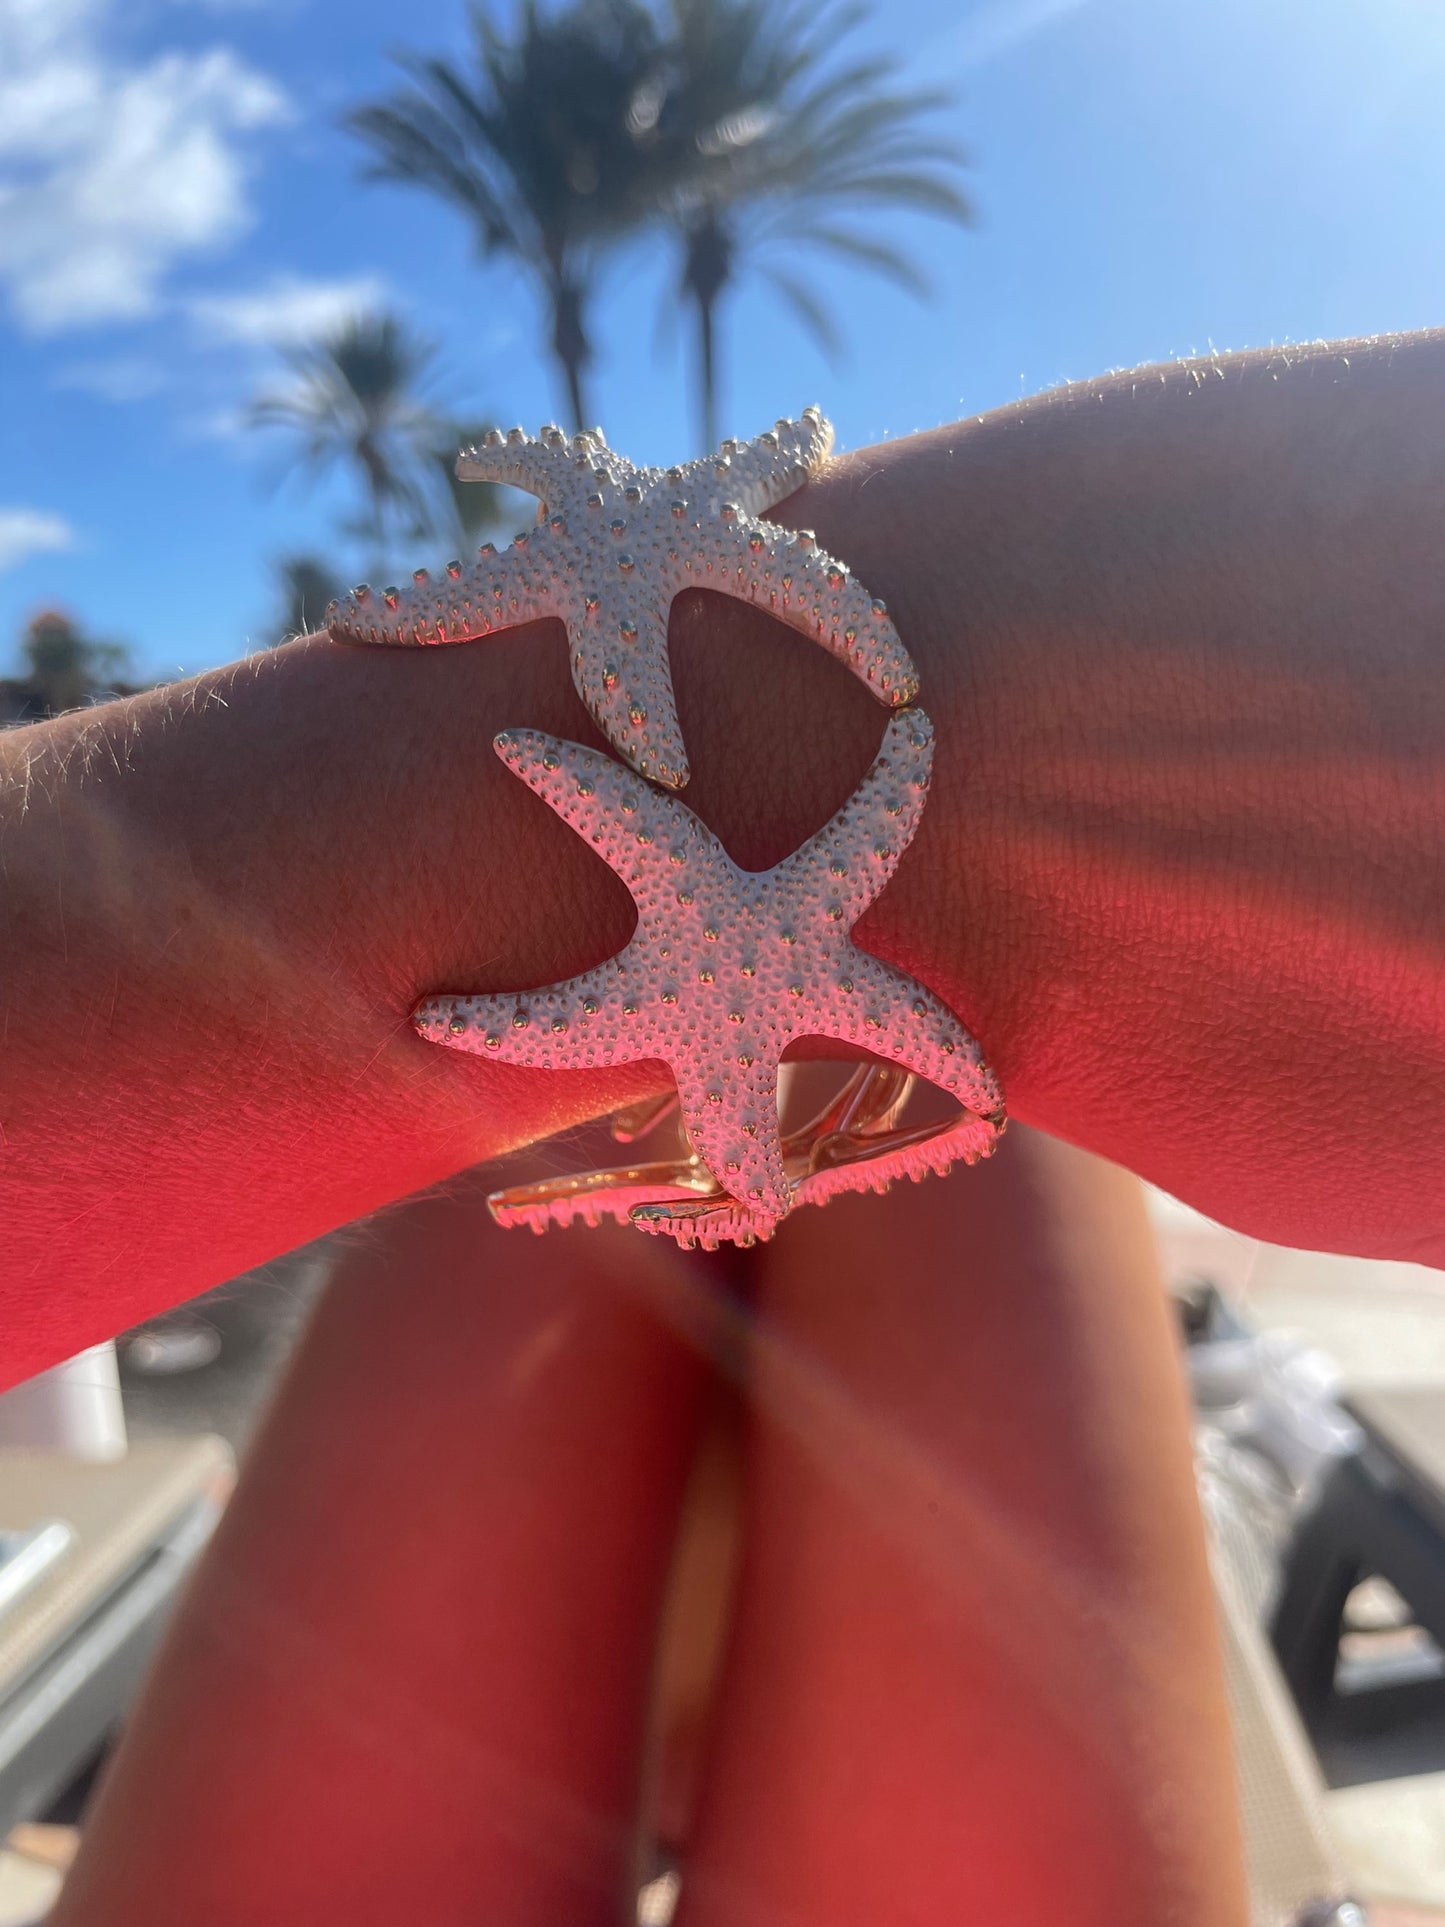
644	834
566	1026
758	474
730	1111
895	1017
521	584
702	1224
905	1154
847	863
621	671
793	579
592	1196
560	473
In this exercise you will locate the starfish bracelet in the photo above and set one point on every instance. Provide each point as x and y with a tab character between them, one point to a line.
726	966
614	544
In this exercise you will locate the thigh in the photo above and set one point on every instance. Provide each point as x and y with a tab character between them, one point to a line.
973	1675
411	1681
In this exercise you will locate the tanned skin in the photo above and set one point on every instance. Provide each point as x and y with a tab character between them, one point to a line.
941	1645
1182	634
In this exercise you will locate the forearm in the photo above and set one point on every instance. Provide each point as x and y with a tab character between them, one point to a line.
1185	651
220	902
222	899
1184	636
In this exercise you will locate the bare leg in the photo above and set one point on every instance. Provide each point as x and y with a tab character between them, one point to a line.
973	1677
410	1683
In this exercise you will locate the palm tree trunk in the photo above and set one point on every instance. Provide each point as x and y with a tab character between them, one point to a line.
707	266
571	369
707	371
570	345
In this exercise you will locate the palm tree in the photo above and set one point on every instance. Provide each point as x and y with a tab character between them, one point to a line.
539	144
64	667
768	146
354	402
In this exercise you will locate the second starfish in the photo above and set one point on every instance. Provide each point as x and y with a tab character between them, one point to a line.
727	966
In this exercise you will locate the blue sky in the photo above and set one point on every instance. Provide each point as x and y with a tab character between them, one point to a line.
1152	178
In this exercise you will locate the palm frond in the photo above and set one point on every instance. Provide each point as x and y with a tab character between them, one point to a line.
535	138
882	256
814	314
357	401
904	187
777	131
412	144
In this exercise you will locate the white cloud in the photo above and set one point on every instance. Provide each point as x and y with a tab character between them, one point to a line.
27	532
110	173
289	308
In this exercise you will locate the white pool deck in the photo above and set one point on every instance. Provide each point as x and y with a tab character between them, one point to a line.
1382	1324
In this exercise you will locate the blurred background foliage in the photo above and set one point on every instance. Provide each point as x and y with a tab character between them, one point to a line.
739	127
740	132
61	667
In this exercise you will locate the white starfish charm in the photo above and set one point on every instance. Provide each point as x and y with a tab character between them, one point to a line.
614	545
726	967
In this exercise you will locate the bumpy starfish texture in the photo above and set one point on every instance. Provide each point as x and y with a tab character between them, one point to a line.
855	1143
614	544
727	966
